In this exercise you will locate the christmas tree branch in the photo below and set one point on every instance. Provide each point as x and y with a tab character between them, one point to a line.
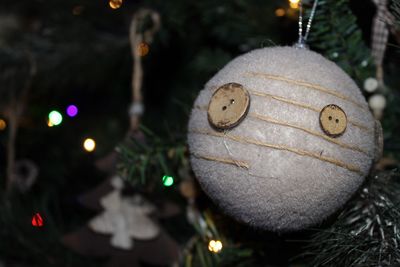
336	34
366	233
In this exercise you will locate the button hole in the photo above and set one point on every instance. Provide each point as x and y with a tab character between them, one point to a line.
224	108
330	118
337	121
232	101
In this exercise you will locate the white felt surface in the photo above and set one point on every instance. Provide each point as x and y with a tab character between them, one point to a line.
281	190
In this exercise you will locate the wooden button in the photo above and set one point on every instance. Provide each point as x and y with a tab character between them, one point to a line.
228	106
333	120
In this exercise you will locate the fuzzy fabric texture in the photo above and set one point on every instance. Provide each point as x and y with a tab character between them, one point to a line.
277	169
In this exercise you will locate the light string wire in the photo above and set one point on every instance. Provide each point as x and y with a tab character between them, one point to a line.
301	43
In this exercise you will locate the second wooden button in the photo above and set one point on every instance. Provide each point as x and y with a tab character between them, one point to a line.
228	106
333	120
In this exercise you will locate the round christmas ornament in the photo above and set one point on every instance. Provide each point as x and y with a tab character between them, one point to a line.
281	137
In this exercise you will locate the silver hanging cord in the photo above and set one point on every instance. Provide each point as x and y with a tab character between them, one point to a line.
301	43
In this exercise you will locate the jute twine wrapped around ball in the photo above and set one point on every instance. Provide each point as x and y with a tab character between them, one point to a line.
280	138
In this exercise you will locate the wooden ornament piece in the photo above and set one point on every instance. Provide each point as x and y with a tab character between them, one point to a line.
333	120
161	251
228	106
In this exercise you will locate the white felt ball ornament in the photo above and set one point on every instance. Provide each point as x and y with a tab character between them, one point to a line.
377	103
371	84
280	138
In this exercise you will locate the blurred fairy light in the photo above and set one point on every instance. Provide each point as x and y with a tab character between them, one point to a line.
55	118
294	3
89	145
72	111
280	12
143	49
167	180
3	125
292	13
37	220
215	246
115	4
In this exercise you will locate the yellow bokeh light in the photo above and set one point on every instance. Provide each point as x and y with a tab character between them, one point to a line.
49	123
294	1
215	246
89	145
142	49
280	12
294	5
3	125
115	4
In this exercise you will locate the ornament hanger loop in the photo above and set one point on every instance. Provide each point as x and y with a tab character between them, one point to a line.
301	43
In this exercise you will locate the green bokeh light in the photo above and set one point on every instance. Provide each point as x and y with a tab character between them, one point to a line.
55	117
168	180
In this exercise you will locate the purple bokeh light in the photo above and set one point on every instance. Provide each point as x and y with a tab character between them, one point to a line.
72	110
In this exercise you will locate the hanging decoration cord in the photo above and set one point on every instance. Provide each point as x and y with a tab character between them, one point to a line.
383	22
137	36
301	43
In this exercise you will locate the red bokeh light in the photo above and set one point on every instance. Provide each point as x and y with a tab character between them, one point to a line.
37	220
